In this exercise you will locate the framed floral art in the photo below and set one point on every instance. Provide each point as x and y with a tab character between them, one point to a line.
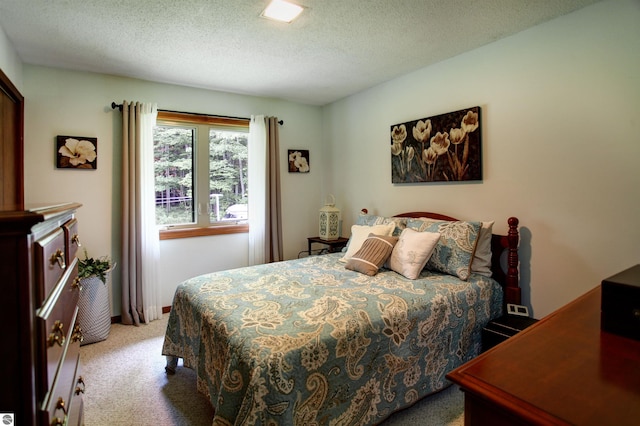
298	160
442	148
76	152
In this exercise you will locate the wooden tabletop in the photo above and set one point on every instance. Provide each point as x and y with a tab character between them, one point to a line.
563	369
339	240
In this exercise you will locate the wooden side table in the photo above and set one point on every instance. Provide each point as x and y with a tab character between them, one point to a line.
333	245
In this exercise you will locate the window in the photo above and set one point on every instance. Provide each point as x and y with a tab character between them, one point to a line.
200	174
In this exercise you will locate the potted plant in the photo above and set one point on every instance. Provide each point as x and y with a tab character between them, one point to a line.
94	267
94	311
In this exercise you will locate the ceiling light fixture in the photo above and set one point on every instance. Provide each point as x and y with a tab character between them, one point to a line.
281	10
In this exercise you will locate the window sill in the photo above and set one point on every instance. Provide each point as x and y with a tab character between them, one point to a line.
170	234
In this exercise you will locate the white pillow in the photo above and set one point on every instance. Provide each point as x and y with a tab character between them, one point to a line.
412	252
359	233
481	263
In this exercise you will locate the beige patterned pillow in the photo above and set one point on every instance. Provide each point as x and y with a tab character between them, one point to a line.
375	250
412	252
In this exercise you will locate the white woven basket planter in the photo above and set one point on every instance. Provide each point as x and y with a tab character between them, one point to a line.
94	313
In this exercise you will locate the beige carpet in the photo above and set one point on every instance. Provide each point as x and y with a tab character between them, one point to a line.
126	385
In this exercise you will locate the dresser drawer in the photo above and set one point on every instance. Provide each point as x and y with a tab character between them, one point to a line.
72	239
50	262
56	316
64	401
76	411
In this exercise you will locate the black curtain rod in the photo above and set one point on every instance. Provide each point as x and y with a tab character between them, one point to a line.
119	106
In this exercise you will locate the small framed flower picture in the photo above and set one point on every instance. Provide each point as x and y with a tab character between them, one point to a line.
299	160
76	152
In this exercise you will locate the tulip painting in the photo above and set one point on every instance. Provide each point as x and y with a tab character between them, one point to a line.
442	148
76	152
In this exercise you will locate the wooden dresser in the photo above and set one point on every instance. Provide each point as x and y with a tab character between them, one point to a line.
41	382
562	370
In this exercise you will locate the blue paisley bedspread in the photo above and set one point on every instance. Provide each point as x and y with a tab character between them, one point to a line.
308	342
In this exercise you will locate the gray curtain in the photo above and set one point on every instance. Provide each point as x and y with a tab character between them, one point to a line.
141	296
273	240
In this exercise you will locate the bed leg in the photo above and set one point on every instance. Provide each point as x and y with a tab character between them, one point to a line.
172	363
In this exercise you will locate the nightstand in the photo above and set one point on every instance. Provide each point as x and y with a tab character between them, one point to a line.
333	245
500	329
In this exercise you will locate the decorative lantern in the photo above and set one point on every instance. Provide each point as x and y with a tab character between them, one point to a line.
330	220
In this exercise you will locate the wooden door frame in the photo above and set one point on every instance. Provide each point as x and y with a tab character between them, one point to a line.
11	146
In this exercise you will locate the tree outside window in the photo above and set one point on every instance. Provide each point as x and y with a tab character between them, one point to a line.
200	173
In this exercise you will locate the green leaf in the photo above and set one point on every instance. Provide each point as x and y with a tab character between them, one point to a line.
94	267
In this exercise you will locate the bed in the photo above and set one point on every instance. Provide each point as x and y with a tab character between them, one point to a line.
316	340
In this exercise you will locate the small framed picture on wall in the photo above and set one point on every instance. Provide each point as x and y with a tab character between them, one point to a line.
299	161
76	152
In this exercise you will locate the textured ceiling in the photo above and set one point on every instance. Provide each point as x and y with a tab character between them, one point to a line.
335	49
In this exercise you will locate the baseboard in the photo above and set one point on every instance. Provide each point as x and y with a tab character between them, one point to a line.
118	318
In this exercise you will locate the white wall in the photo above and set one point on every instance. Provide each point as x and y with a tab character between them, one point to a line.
10	63
59	102
560	106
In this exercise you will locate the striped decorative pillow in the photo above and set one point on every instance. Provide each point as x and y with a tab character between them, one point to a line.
375	250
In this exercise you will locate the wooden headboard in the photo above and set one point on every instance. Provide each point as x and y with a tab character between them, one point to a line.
509	279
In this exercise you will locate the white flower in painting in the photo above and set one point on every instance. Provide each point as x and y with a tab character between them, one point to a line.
294	155
429	156
470	122
440	143
422	131
79	152
410	154
396	148
299	162
302	164
399	134
457	136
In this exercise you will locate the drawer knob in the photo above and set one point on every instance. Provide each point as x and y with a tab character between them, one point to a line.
60	405
79	389
77	284
58	257
57	334
76	240
77	335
